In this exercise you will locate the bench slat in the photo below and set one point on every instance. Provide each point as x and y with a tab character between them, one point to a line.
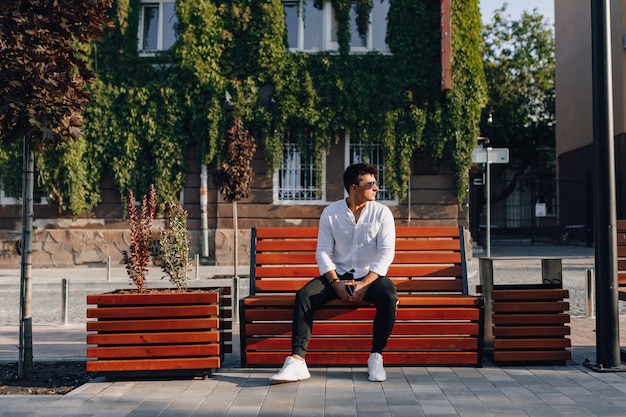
412	258
154	364
365	329
365	313
423	300
427	232
286	232
311	271
525	331
140	325
153	338
292	285
273	359
540	294
151	298
153	351
428	245
402	245
533	344
512	319
162	311
425	258
538	307
329	344
269	246
425	271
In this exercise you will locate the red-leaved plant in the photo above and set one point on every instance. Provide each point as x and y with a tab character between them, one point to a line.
140	224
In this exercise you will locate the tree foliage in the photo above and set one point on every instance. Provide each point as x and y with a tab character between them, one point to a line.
42	74
43	77
519	65
137	256
174	244
235	173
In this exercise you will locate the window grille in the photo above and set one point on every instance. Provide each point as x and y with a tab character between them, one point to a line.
372	154
298	176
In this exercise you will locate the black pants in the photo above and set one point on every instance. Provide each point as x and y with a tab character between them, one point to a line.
381	293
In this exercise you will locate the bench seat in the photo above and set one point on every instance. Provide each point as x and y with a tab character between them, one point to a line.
438	323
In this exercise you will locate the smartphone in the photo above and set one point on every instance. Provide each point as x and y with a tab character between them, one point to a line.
350	289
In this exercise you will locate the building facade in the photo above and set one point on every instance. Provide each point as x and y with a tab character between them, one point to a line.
438	96
574	112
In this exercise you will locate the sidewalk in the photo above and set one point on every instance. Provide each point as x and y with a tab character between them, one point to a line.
571	390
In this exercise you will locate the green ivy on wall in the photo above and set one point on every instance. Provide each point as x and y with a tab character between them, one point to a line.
146	111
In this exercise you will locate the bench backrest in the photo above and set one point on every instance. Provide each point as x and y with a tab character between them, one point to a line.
429	259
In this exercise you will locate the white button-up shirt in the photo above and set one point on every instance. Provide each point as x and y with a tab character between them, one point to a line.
344	244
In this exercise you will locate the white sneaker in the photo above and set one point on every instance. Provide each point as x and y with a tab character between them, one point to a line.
293	370
375	368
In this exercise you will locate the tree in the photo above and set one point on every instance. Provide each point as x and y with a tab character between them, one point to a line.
520	70
235	175
42	94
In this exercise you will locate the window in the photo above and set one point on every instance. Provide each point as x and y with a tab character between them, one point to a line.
378	25
39	197
157	26
376	38
371	154
304	24
312	29
298	179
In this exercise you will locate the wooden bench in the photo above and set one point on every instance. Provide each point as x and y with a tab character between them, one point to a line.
438	323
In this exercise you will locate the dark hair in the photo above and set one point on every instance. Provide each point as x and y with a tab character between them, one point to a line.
353	173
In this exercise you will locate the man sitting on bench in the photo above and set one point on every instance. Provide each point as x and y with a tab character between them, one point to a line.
355	247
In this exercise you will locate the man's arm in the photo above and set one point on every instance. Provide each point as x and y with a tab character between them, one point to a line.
324	250
386	244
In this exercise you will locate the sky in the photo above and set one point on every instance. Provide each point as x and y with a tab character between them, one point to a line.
515	8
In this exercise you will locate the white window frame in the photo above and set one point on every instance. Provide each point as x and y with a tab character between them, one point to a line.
296	166
160	28
38	199
380	167
7	201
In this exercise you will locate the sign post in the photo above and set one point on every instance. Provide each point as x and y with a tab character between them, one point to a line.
489	156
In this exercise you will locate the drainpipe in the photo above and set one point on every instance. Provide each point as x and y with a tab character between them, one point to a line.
408	219
204	215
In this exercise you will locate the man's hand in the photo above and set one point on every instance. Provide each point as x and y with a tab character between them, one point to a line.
341	288
353	291
359	289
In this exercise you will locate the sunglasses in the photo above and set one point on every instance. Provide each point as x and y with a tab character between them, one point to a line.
370	184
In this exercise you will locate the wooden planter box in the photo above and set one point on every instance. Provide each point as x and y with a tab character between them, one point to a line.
156	332
526	324
530	324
